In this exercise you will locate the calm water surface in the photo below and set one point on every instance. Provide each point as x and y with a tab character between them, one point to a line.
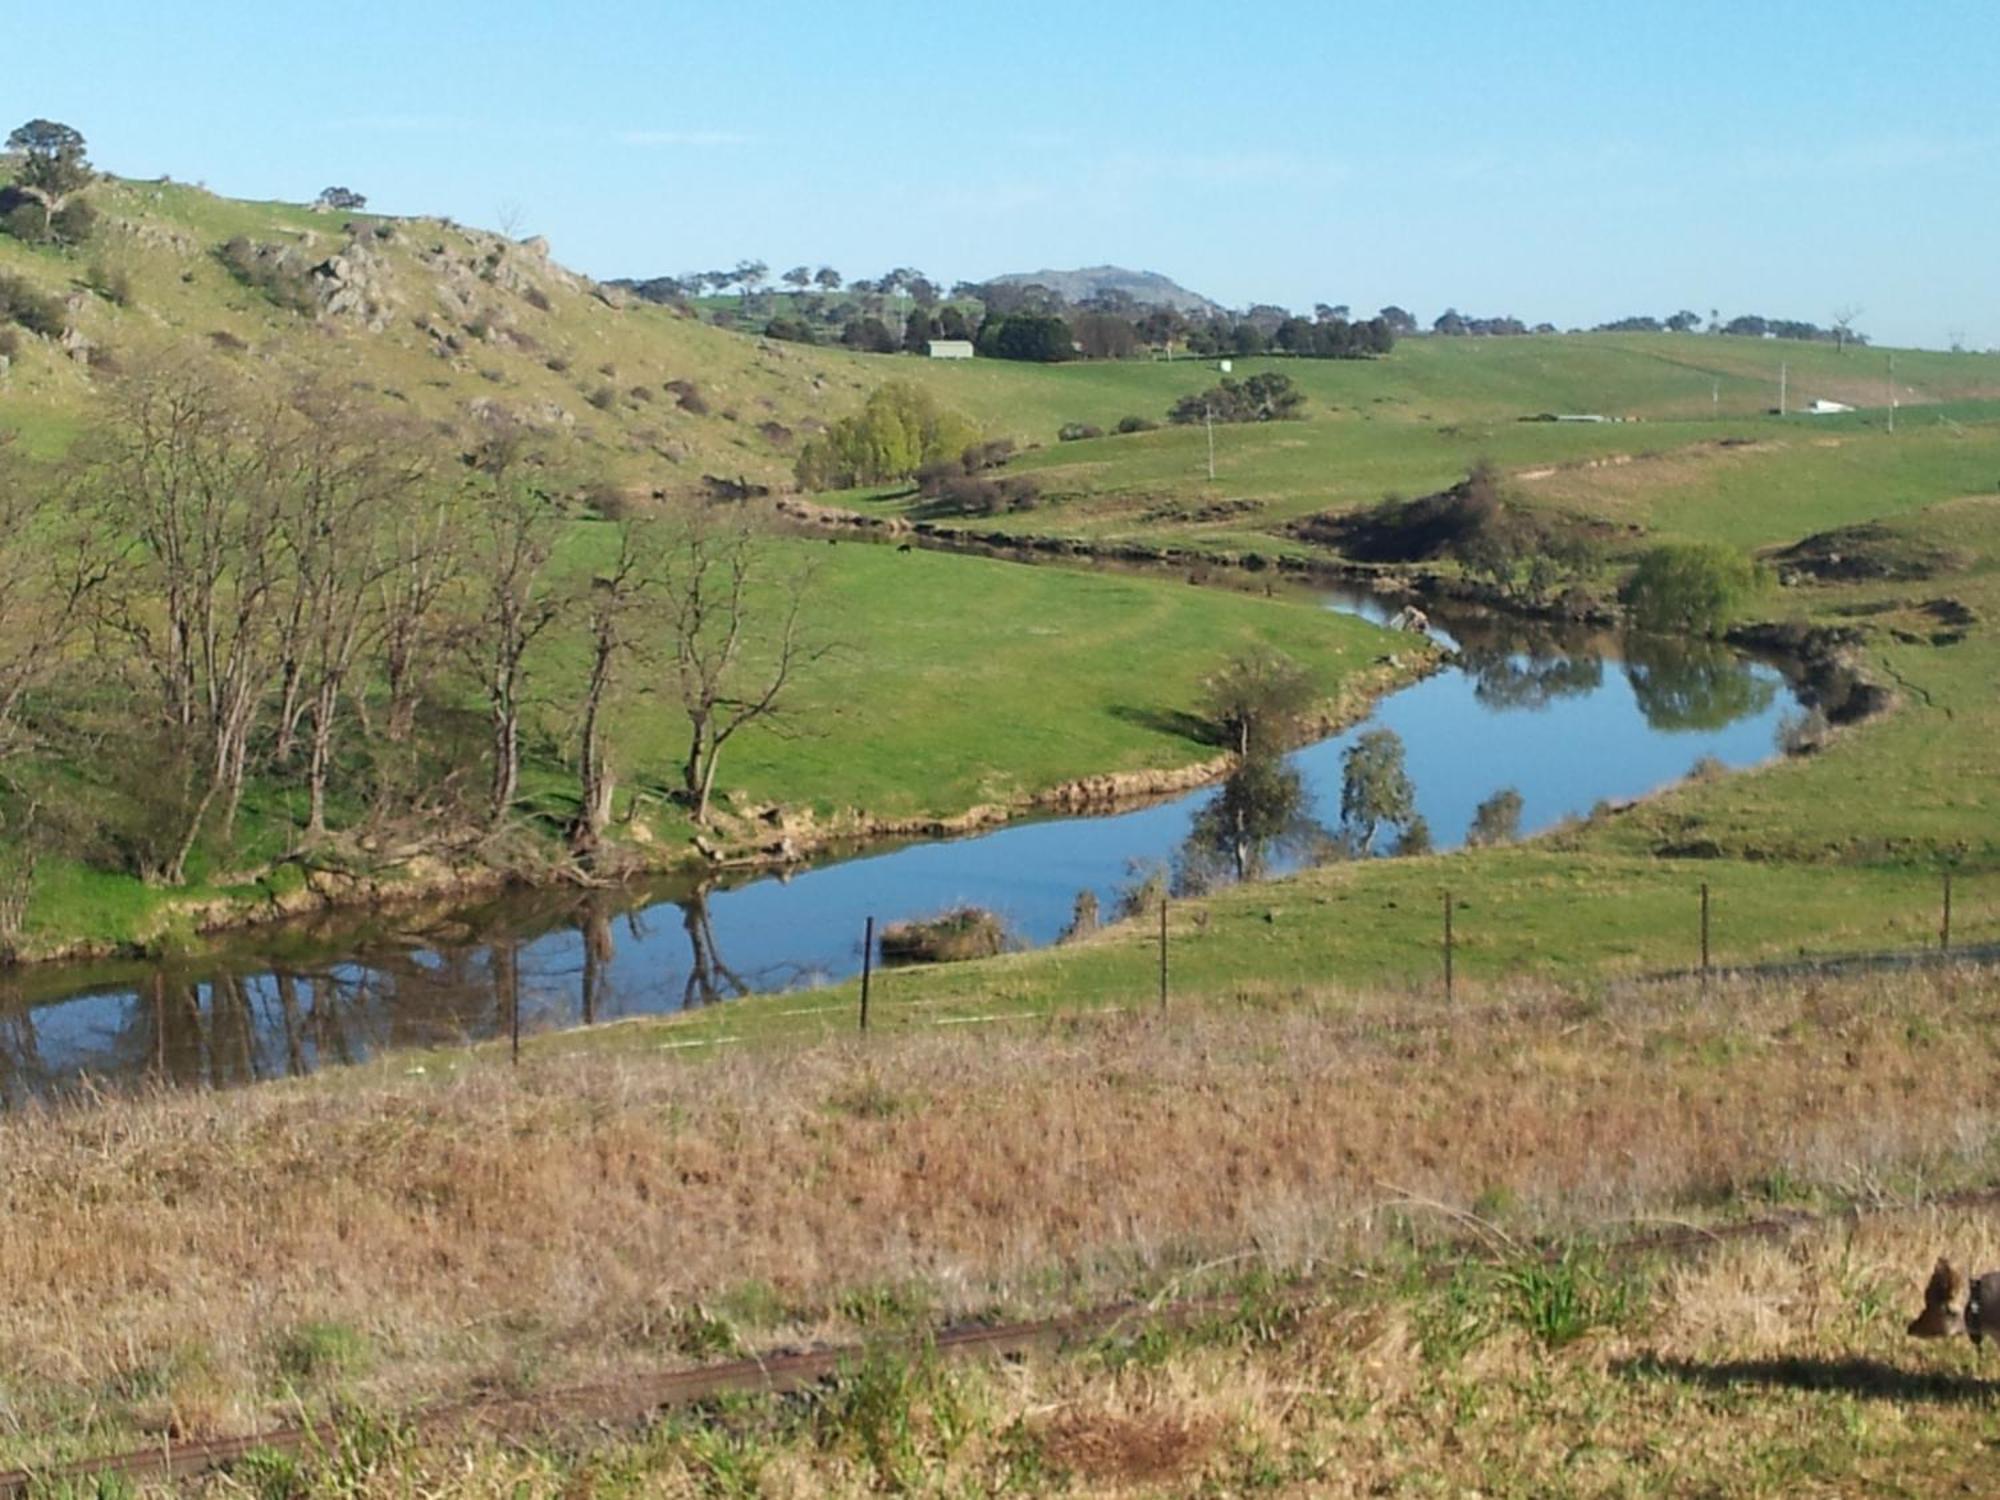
1566	719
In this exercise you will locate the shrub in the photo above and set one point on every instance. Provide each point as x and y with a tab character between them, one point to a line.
74	223
275	274
603	398
1143	893
1083	918
35	311
950	937
26	220
1707	768
1268	397
687	397
1137	424
1497	820
536	298
112	281
1692	588
10	342
790	331
1072	432
970	495
988	454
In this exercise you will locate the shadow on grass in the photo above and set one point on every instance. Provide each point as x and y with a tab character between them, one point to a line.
1175	722
1870	1378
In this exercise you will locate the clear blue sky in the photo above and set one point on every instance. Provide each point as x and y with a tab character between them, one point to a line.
1570	161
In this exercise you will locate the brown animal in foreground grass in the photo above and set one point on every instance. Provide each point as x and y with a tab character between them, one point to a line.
1941	1317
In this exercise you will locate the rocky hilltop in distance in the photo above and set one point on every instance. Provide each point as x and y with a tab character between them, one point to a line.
1147	287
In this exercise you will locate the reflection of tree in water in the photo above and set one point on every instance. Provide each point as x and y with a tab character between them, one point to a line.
225	1029
1685	685
1528	664
23	1074
593	926
1259	819
709	978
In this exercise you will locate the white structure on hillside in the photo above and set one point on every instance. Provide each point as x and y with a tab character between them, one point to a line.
949	348
1823	407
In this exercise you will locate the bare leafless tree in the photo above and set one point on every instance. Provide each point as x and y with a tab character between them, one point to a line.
351	473
46	576
515	519
734	613
614	599
1843	326
184	482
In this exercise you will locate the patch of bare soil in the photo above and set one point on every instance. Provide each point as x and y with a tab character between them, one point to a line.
1863	553
1135	1449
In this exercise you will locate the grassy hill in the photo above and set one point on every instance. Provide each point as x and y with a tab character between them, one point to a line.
436	316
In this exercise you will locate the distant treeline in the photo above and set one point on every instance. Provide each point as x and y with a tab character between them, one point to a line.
904	311
1453	324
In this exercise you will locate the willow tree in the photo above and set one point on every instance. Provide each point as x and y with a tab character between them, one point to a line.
737	637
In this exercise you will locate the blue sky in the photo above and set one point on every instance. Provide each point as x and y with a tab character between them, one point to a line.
1570	161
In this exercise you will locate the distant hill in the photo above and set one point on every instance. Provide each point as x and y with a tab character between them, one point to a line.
1148	287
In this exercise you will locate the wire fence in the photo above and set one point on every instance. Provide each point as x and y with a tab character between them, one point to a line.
909	997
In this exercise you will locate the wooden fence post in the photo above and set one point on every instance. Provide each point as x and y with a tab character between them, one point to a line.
1704	935
867	967
1447	948
1163	955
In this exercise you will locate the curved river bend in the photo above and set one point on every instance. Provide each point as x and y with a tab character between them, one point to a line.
1566	719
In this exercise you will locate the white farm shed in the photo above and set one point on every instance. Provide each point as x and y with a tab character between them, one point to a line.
949	348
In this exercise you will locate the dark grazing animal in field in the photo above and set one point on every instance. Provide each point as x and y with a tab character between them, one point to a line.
1942	1318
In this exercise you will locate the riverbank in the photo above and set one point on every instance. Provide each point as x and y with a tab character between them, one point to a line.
1079	692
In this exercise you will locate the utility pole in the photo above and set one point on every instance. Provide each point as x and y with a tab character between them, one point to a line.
1208	422
1715	396
1784	369
1892	393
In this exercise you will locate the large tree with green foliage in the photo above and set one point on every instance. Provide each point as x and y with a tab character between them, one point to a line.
1375	790
53	163
1689	588
1041	338
1258	699
899	430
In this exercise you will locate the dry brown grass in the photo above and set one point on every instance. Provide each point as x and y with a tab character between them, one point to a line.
503	1230
1771	1368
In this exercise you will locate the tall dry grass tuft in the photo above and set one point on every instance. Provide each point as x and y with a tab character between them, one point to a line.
166	1258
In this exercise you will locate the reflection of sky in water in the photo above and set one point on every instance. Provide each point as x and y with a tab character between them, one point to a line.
1563	752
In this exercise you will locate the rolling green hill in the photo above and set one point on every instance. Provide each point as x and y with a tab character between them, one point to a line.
437	317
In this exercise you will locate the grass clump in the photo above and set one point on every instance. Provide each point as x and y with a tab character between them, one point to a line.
322	1351
953	936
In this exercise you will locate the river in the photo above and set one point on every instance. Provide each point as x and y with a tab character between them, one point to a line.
1566	718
